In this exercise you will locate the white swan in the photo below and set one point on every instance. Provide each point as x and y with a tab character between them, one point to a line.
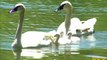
88	26
66	24
79	28
73	24
28	39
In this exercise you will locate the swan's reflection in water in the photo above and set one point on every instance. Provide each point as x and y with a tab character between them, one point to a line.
67	49
17	53
73	48
88	41
30	53
44	52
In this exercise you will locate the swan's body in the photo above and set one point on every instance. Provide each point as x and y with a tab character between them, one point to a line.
27	39
35	38
64	40
61	29
84	27
89	25
75	24
72	25
32	38
75	40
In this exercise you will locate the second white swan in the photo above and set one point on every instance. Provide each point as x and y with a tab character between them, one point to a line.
72	25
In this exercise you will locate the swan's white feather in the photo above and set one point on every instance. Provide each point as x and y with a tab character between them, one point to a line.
32	38
61	28
89	23
75	40
64	40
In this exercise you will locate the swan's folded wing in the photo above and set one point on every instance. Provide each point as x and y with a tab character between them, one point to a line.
32	38
61	28
89	23
75	24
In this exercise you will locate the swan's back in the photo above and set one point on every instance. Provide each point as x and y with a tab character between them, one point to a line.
61	28
32	38
75	24
89	23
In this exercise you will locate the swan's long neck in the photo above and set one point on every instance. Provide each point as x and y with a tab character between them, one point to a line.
56	41
67	19
57	38
19	28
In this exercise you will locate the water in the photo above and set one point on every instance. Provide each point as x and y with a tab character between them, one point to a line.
38	14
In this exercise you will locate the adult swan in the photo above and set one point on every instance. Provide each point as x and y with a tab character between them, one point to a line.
73	25
28	39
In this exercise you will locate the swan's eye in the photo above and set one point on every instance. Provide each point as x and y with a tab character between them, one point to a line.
61	7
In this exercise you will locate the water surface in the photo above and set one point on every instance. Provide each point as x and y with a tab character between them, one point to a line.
40	16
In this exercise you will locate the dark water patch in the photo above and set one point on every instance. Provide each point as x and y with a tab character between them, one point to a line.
94	51
96	56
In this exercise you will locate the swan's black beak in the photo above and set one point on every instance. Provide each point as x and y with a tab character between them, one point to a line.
14	9
60	8
11	11
56	10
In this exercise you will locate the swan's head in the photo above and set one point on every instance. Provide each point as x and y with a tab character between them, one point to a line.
61	34
57	37
69	35
18	7
64	6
